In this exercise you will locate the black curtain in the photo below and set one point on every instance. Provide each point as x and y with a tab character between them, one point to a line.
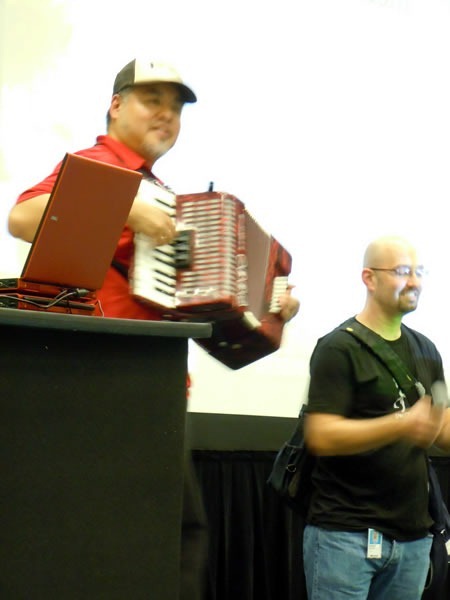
254	540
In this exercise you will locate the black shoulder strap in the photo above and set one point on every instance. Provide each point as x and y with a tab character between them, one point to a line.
406	382
123	270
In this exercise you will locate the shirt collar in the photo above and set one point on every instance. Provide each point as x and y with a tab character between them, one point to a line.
129	158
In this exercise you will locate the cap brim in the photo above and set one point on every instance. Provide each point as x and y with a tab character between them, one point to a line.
187	94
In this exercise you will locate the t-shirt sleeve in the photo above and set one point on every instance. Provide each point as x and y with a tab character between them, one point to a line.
330	388
44	187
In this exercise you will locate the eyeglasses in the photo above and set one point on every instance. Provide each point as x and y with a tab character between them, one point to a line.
404	270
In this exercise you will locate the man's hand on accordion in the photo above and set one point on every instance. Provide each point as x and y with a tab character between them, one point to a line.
151	221
289	305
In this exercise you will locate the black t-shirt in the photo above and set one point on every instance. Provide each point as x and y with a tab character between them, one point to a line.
386	488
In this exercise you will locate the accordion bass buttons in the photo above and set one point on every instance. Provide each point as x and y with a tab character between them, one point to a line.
280	286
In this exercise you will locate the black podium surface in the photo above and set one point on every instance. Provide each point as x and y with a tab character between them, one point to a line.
92	432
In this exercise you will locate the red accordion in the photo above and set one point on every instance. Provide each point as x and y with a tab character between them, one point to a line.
223	268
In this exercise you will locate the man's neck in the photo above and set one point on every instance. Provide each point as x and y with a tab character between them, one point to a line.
388	328
149	160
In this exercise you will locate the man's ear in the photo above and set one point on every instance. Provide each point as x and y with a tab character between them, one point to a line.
116	102
367	276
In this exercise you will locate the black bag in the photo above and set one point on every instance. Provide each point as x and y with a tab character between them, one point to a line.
290	476
439	558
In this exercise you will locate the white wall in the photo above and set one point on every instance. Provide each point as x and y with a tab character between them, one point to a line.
330	119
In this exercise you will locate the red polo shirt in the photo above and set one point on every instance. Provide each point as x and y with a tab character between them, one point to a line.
114	294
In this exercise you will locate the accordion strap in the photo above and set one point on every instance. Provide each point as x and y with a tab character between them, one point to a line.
122	269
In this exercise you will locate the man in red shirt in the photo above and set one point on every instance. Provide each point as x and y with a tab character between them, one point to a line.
143	123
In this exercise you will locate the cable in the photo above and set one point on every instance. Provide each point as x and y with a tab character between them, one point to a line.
59	299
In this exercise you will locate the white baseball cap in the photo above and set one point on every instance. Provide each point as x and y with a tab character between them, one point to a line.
140	72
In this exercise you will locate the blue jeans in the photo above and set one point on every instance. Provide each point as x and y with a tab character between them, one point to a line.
337	567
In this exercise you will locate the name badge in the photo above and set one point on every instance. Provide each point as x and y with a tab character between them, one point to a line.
374	544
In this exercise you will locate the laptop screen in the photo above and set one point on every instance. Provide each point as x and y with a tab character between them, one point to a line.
82	223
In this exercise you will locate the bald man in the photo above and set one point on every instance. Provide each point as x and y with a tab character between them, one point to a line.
367	533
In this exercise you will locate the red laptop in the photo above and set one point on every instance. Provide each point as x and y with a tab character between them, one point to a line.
77	236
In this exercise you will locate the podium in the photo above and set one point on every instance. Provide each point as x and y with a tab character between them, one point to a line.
92	427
